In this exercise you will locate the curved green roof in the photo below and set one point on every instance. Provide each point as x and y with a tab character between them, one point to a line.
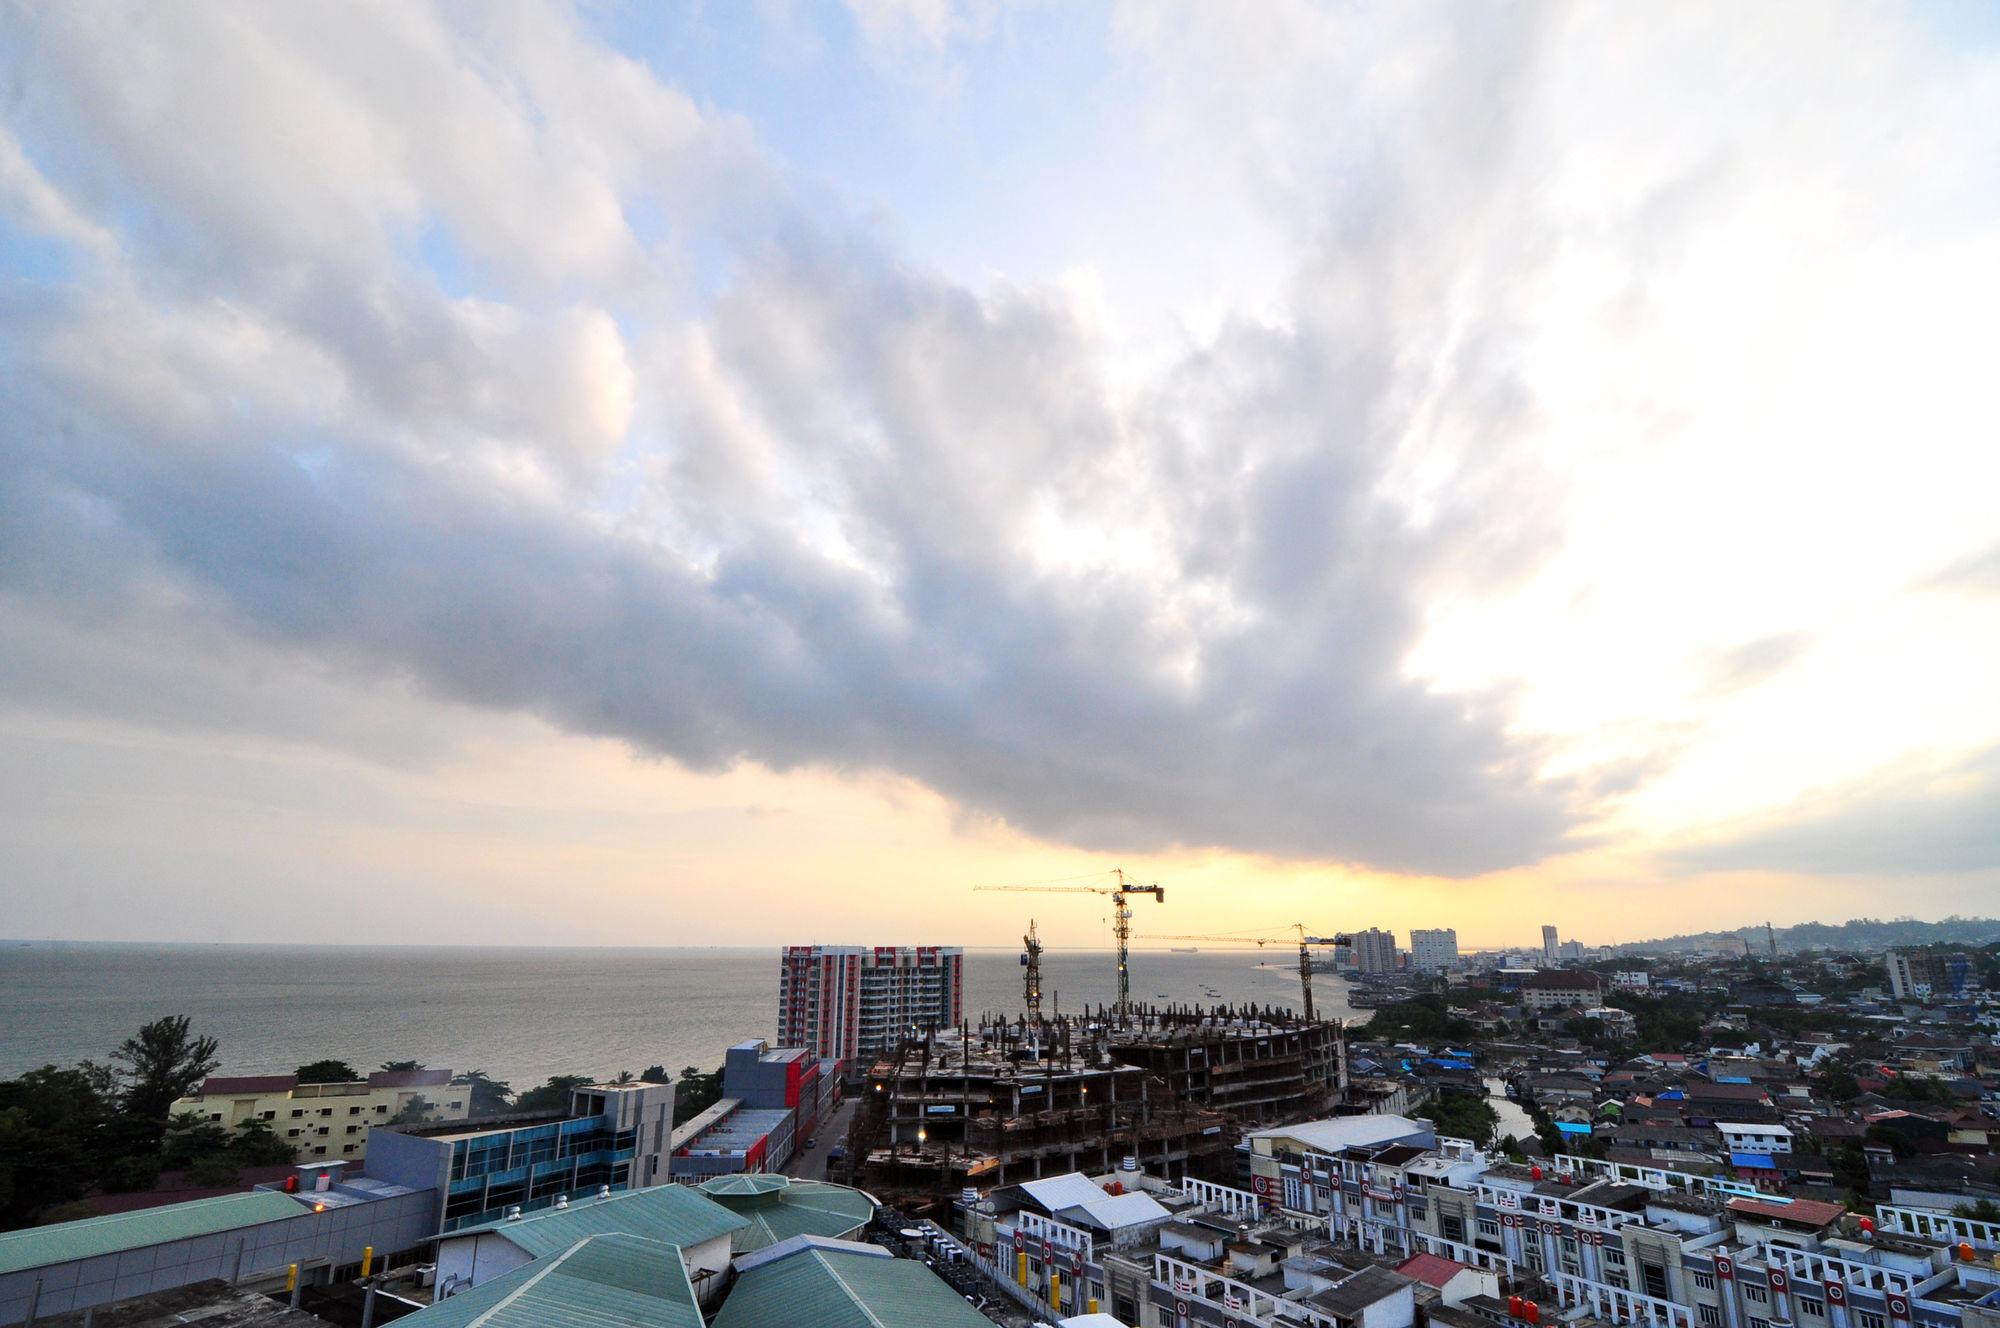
778	1208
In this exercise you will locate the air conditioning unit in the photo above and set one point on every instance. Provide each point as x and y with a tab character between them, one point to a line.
427	1274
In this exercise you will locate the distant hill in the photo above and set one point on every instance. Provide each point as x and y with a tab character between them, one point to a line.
1861	935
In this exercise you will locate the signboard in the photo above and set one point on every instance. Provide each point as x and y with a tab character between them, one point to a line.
1899	1305
1260	1185
1836	1292
1725	1267
1777	1279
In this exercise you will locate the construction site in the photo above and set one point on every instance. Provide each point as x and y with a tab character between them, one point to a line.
1013	1099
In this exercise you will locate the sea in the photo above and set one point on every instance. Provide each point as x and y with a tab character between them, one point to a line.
520	1014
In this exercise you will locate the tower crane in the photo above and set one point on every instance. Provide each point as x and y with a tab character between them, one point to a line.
1121	917
1305	942
1031	974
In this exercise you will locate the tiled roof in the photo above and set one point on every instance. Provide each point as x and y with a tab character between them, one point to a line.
1433	1269
778	1208
231	1085
1805	1212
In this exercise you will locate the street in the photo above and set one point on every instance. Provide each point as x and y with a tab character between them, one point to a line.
812	1165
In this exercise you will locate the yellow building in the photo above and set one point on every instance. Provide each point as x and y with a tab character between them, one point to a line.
326	1120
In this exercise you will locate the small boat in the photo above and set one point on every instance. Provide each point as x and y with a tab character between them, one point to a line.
1183	949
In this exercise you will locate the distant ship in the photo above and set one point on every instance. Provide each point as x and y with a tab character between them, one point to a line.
1183	949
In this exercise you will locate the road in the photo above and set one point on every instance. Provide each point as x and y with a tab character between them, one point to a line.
812	1165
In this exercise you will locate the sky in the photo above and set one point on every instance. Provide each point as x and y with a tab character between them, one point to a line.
753	473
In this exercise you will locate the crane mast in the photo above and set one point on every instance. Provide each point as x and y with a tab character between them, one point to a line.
1121	920
1031	974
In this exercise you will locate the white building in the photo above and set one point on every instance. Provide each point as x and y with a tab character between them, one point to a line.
1635	980
1549	943
1764	1140
1433	950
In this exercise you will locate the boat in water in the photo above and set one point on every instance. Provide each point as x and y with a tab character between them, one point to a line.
1183	949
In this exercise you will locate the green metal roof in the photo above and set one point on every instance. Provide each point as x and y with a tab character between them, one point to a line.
39	1246
788	1208
743	1183
599	1282
673	1214
836	1289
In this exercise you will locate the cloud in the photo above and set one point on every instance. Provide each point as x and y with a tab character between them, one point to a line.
1752	663
1924	821
469	354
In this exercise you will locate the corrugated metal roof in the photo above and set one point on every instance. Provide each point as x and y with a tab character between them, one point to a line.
40	1246
829	1289
600	1282
785	1209
673	1214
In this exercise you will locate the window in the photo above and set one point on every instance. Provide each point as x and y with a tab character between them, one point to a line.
270	1115
347	1148
298	1112
1870	1319
453	1105
1653	1280
381	1110
1711	1315
1451	1226
326	1111
1813	1306
1704	1281
215	1115
291	1134
354	1129
1756	1322
1755	1294
1488	1227
319	1152
321	1131
1614	1257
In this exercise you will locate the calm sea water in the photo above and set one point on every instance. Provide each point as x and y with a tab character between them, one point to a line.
519	1014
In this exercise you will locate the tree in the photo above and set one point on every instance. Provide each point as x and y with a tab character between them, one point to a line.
551	1096
413	1112
1464	1116
1835	1080
655	1074
696	1093
163	1062
257	1145
51	1128
189	1138
402	1066
1980	1210
488	1096
329	1072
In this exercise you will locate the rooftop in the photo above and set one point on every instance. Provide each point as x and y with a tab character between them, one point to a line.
669	1214
835	1288
779	1208
601	1281
92	1236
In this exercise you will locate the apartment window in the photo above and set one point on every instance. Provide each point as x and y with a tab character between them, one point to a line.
270	1115
326	1111
319	1152
1653	1279
1756	1295
1813	1306
1451	1226
1711	1315
347	1148
1614	1258
1756	1322
321	1131
291	1134
381	1110
215	1115
1703	1281
298	1112
1870	1319
455	1105
1488	1227
354	1129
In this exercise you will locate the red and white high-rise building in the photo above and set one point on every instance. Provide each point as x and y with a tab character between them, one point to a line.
853	1002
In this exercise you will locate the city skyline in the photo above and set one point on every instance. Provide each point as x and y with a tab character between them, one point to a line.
750	476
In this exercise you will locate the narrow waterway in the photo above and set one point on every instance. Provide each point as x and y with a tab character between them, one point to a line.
1513	1120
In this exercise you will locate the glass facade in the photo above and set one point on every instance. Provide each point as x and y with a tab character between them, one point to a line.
530	1166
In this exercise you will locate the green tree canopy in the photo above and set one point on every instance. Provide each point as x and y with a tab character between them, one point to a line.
488	1096
162	1063
551	1096
329	1072
402	1065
